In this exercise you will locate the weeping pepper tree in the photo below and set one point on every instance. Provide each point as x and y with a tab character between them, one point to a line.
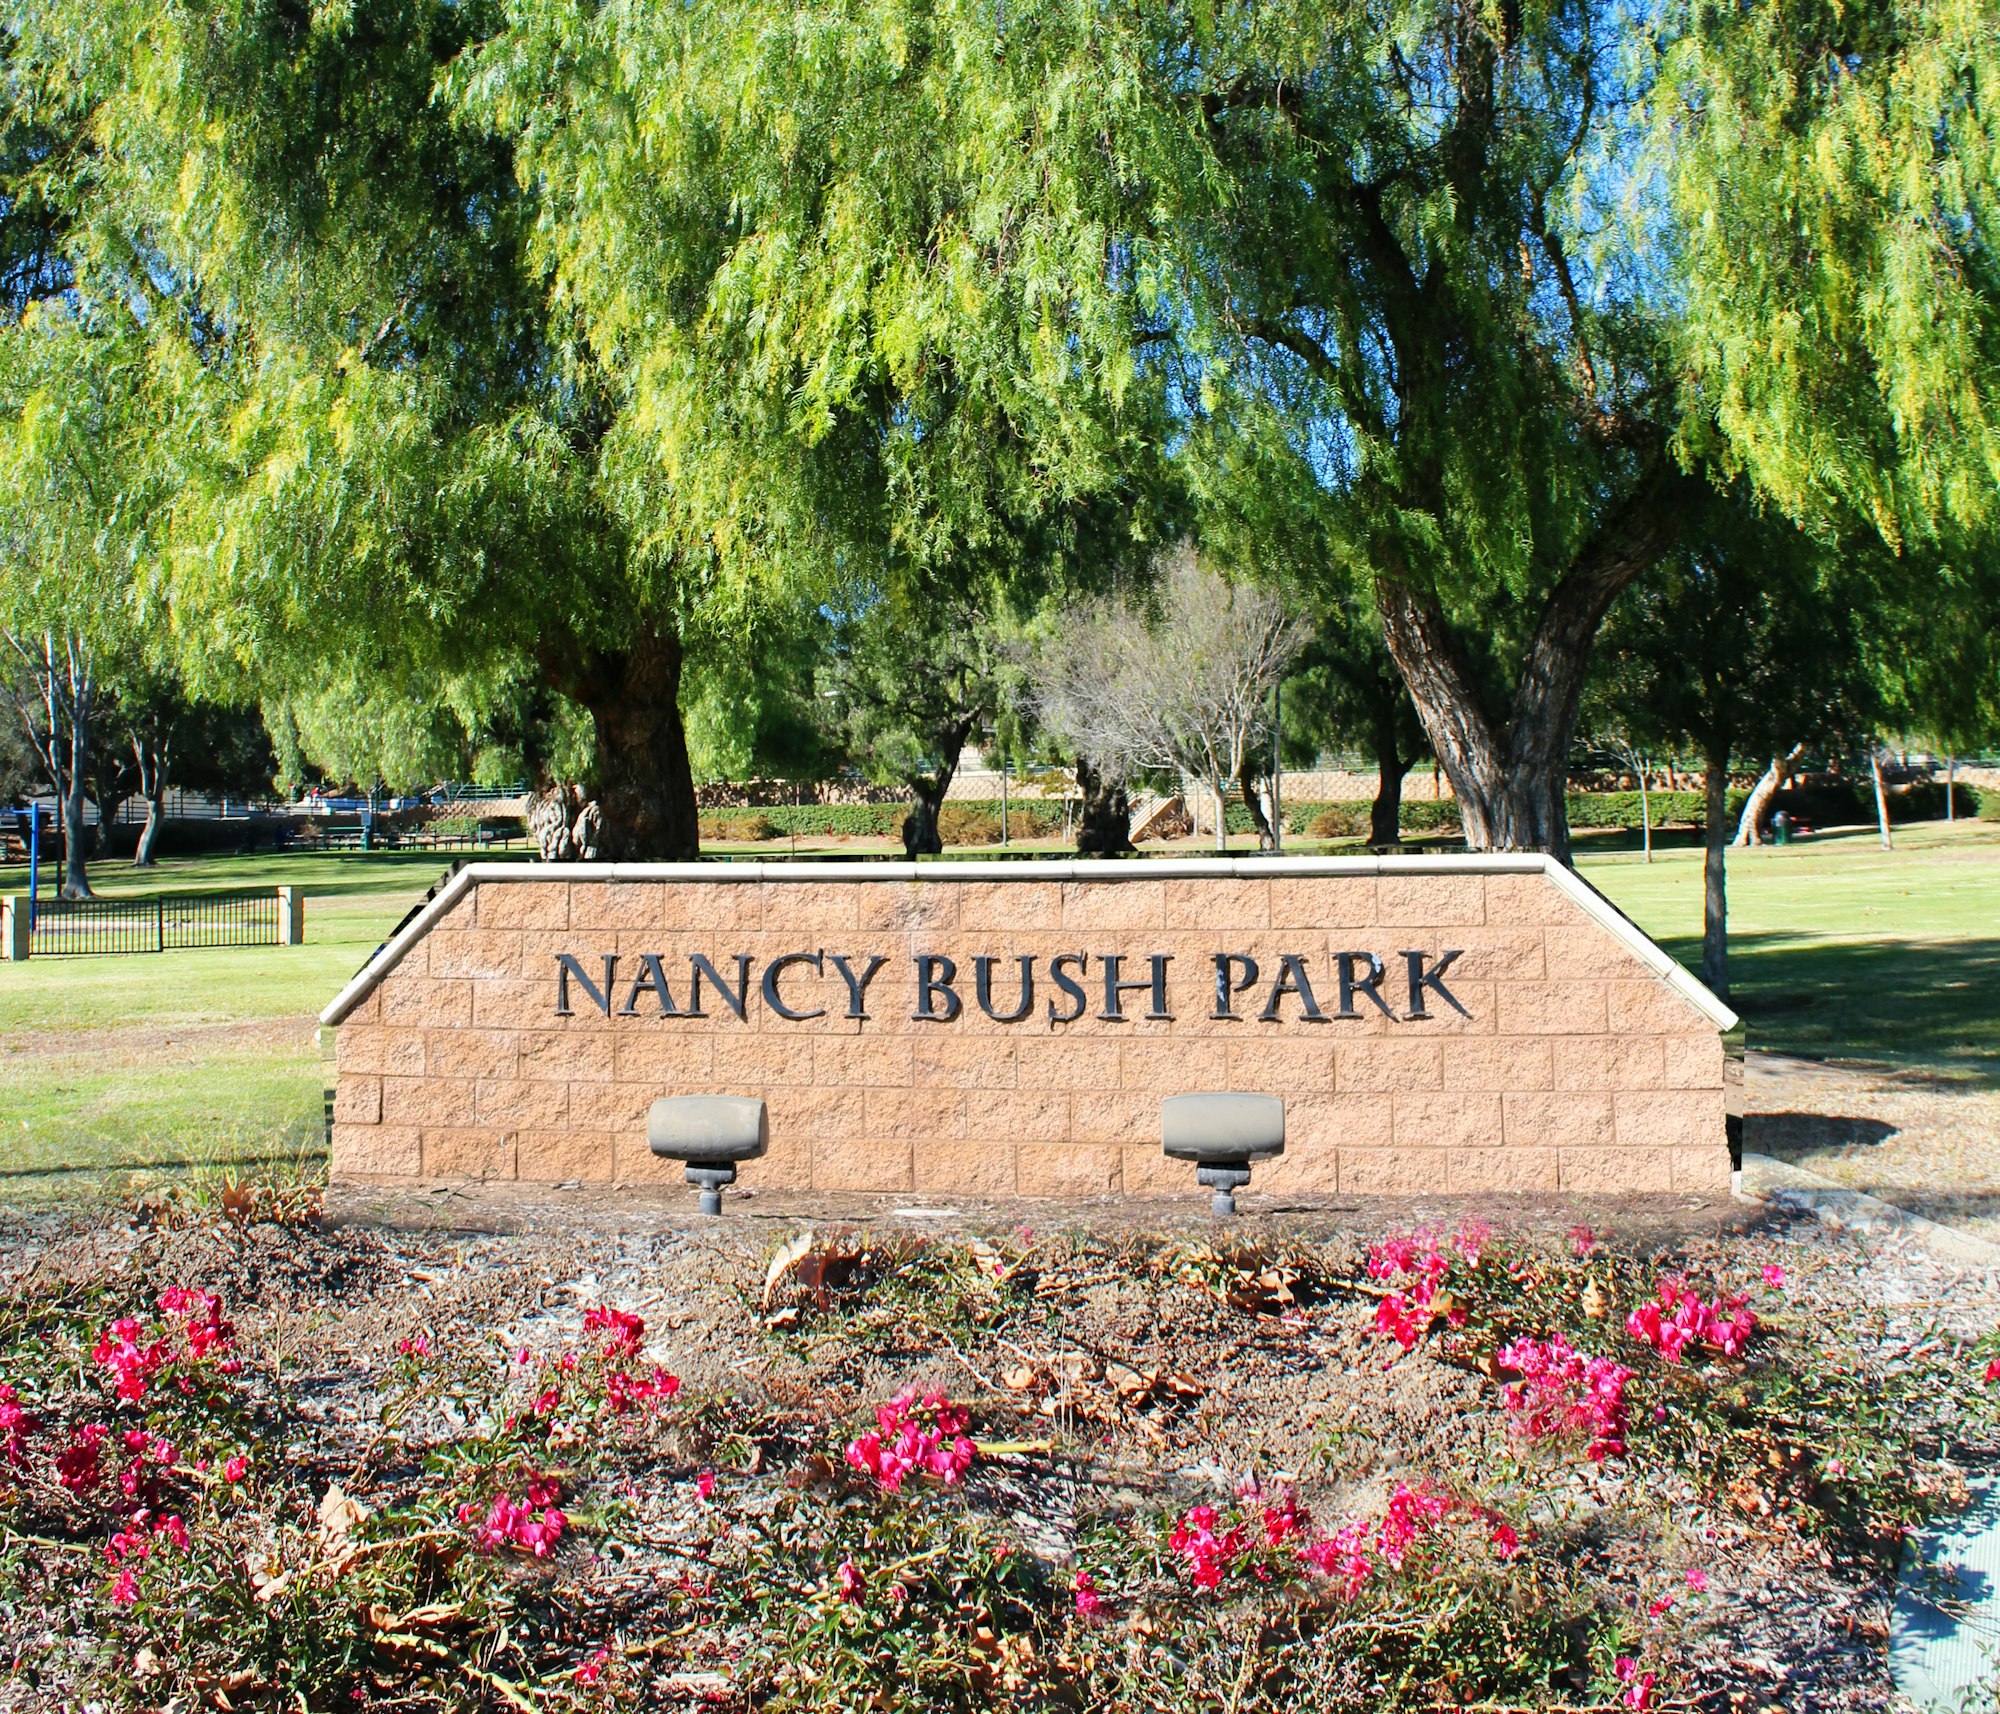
395	450
1496	291
901	368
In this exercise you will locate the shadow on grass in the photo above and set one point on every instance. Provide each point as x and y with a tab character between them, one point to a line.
1930	1004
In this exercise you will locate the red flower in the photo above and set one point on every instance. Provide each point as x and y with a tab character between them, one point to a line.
79	1465
627	1330
850	1580
1089	1604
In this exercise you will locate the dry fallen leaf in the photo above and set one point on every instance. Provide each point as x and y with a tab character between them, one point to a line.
784	1261
1019	1378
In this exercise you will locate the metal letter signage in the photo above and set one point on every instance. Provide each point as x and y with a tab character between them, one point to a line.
816	981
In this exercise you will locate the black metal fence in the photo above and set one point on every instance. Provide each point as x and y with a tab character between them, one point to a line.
163	923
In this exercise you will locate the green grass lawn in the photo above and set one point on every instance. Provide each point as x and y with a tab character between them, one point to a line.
118	1070
1839	949
134	1067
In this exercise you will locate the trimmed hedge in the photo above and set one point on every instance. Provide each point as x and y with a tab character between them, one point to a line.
851	820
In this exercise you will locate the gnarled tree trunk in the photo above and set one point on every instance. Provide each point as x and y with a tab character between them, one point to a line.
1385	814
645	785
1511	774
1104	819
1750	828
1253	801
151	754
920	827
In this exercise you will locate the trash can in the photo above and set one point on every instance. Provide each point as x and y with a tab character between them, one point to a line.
1781	829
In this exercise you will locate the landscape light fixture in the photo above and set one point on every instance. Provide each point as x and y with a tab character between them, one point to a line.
711	1133
1222	1134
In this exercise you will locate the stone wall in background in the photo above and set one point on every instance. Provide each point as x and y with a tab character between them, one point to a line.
1445	1024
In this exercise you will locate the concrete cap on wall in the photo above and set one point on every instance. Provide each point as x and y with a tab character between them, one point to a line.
1565	879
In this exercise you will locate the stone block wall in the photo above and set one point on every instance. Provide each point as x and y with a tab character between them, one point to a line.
1571	1055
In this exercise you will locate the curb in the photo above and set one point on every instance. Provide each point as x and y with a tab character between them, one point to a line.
1782	1185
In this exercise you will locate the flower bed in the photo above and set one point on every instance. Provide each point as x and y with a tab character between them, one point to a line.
247	1463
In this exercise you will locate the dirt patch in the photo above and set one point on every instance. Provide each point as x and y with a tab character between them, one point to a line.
1161	1358
1924	1141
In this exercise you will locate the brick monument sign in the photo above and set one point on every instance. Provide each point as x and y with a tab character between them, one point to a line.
1462	1024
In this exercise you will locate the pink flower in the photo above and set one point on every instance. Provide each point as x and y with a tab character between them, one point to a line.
16	1425
704	1484
1677	1318
125	1588
1697	1579
1412	1512
627	1330
623	1392
1408	1313
1582	1240
79	1465
1639	1685
1208	1554
1562	1393
1340	1557
1993	1371
1283	1520
1089	1604
1506	1540
236	1469
418	1346
1659	1605
850	1580
1774	1276
588	1672
926	1441
535	1523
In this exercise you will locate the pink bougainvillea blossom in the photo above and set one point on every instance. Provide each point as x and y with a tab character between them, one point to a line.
915	1437
1412	1512
627	1331
1207	1553
1638	1685
591	1669
852	1585
624	1392
236	1469
1993	1371
1774	1276
1563	1393
704	1484
1697	1579
1582	1240
1677	1317
80	1464
1418	1266
534	1523
1342	1557
1089	1603
1506	1540
16	1426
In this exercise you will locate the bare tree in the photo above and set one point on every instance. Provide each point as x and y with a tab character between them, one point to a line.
55	693
1183	685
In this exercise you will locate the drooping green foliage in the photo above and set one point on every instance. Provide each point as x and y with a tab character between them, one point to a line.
1831	170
